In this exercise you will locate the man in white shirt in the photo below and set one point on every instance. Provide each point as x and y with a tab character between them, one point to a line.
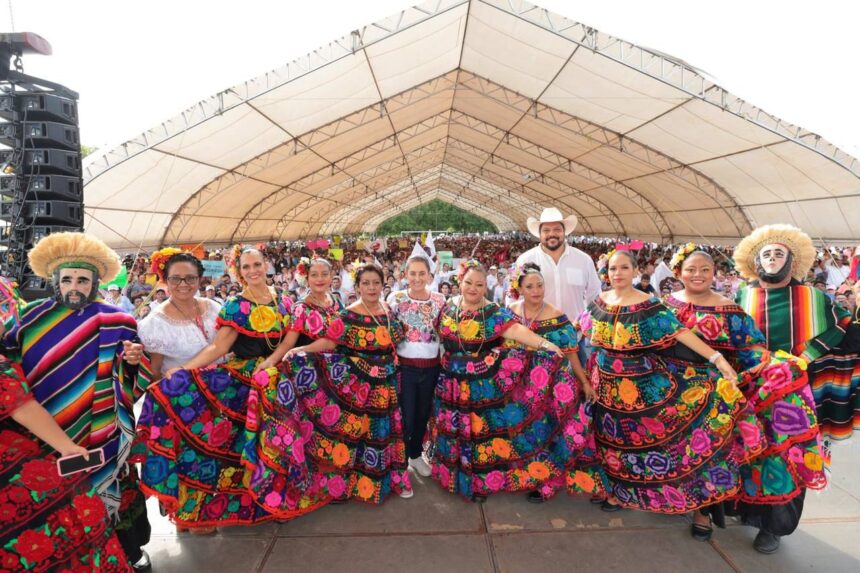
116	298
491	280
570	278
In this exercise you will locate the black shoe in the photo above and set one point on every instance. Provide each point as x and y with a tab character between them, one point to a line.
766	543
534	497
596	500
609	507
142	564
478	498
716	513
701	532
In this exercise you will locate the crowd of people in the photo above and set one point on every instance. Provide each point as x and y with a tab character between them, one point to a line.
831	271
670	379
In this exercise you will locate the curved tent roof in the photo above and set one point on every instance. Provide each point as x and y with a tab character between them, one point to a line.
499	107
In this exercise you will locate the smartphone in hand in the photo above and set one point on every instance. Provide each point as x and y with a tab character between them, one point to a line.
73	464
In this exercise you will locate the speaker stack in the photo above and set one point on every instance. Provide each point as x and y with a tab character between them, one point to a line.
41	191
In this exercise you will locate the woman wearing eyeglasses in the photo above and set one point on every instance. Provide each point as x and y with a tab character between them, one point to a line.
183	325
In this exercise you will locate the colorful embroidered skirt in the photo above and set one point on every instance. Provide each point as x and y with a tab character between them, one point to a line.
779	394
509	420
274	452
48	522
193	425
671	437
352	424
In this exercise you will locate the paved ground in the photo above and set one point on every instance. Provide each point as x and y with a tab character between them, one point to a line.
436	532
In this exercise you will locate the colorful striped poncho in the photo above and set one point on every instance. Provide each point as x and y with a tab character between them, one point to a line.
803	321
72	360
798	319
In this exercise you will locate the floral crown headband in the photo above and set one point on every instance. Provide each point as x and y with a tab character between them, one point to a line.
158	260
232	262
516	279
302	270
603	265
358	266
679	256
465	266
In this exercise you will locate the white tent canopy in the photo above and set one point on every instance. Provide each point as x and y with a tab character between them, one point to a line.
495	106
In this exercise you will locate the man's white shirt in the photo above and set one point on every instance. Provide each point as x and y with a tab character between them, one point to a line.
571	284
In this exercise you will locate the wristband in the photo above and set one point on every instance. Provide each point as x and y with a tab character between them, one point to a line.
715	356
544	344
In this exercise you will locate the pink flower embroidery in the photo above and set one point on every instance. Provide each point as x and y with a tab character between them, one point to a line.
563	393
330	414
539	376
495	480
335	329
314	322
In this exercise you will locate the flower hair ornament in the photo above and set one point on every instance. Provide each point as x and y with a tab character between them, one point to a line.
158	260
680	255
356	266
465	266
603	265
517	276
232	260
302	270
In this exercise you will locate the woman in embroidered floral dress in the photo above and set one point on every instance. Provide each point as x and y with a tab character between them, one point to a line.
501	412
527	290
271	443
665	421
354	430
47	522
196	419
176	330
776	386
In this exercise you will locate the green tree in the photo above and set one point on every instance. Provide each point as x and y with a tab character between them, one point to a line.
87	149
435	215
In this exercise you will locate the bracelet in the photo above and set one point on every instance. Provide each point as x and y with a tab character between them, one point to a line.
544	344
715	356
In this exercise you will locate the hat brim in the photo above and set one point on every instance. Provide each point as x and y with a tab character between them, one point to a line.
569	222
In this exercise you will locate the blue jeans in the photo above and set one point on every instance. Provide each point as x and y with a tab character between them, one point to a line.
416	402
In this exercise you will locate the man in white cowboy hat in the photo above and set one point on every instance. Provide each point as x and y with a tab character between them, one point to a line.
570	279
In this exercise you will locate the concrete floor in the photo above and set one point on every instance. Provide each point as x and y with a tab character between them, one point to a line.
437	532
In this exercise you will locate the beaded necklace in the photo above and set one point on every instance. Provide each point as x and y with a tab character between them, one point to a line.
379	324
530	324
457	311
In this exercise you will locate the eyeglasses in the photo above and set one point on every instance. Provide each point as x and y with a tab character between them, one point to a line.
190	280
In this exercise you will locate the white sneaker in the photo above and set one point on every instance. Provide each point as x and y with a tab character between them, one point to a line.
420	466
406	493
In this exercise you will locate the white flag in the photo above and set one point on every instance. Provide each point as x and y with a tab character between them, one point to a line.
430	244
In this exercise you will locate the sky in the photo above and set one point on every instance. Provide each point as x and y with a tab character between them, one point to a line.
136	64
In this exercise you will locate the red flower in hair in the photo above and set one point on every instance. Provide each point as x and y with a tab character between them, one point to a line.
40	476
91	510
34	546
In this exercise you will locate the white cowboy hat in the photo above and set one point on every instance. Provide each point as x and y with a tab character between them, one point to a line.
551	215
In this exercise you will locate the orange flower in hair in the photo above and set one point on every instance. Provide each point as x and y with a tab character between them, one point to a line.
158	260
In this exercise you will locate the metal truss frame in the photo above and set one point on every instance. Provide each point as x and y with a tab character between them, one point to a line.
362	181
